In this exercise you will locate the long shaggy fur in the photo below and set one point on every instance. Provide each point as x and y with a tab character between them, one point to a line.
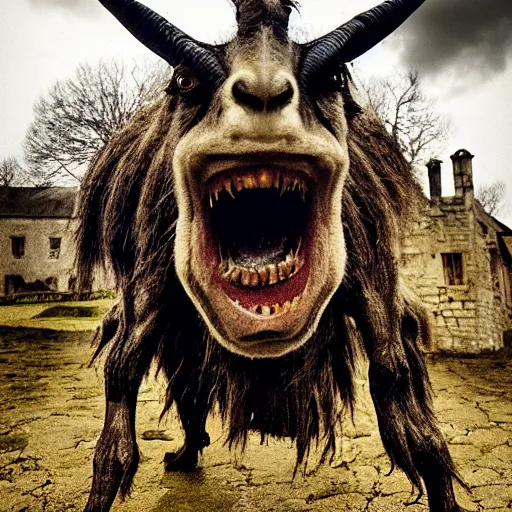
128	217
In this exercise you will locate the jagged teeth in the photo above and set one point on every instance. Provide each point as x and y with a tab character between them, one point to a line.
263	178
276	309
273	279
264	275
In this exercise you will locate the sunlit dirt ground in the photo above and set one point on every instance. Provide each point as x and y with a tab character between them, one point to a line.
51	408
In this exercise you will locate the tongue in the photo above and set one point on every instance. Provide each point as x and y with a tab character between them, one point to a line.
268	251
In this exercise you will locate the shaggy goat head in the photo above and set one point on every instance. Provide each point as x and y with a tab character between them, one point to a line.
260	165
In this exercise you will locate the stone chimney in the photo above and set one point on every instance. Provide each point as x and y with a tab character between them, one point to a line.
434	180
463	175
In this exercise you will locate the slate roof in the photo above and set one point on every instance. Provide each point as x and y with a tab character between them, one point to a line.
27	202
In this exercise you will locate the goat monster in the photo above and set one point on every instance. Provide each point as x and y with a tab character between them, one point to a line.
252	219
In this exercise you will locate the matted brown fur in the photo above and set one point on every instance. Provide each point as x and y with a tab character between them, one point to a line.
128	218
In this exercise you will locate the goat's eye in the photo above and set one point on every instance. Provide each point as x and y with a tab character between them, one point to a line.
185	79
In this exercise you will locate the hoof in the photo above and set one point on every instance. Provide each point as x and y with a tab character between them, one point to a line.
182	460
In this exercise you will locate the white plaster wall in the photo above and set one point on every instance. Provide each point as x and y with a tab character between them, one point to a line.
36	263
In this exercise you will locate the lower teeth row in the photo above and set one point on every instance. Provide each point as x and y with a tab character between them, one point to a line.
276	308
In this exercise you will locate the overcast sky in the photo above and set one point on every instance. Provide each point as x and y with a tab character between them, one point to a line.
462	49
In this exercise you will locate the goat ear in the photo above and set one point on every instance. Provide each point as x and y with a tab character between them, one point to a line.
164	39
357	36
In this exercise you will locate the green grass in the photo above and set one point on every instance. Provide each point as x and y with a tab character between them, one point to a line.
45	297
66	316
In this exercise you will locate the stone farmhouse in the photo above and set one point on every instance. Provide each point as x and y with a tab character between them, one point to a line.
458	259
37	249
455	256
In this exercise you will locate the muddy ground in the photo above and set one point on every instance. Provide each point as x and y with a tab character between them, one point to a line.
51	407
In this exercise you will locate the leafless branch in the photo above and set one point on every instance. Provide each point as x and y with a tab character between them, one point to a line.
408	114
11	173
79	115
492	197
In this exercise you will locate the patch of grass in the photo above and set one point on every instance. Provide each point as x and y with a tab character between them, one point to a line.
45	297
71	311
28	316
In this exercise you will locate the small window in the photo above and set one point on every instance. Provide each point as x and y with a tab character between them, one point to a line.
54	248
18	246
453	268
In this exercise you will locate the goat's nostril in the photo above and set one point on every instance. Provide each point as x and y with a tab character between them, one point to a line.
244	97
281	99
261	97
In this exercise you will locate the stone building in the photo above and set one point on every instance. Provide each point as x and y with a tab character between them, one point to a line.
37	250
457	258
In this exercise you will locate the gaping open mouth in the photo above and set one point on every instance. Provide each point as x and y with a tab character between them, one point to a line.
258	221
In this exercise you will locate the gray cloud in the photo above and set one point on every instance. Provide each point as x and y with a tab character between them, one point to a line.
82	7
467	37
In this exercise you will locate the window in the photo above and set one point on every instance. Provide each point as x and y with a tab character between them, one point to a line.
453	268
18	246
54	248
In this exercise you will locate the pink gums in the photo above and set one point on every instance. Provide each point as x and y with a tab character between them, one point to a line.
278	293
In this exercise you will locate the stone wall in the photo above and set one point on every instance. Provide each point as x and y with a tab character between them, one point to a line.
469	317
494	303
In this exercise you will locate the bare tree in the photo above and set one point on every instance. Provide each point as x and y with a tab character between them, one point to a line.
11	172
408	113
492	197
78	116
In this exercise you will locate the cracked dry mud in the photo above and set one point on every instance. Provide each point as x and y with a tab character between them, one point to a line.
51	407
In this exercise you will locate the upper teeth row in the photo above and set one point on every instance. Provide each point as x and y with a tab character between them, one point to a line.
262	178
263	275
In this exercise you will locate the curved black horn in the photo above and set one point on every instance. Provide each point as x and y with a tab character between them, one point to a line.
164	39
357	36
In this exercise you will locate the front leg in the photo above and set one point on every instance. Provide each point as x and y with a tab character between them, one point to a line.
412	439
401	393
116	456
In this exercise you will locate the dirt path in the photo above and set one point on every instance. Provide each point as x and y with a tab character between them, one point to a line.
51	408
